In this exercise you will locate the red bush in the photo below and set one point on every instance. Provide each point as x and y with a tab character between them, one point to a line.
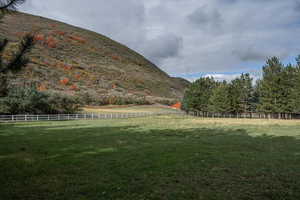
74	87
177	105
64	81
67	67
39	37
115	57
77	76
78	39
61	33
51	42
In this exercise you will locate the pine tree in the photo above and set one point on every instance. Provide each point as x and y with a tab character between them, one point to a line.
18	60
271	90
219	101
295	96
7	6
197	95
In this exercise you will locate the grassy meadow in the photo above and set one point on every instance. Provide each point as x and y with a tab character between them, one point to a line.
128	109
166	157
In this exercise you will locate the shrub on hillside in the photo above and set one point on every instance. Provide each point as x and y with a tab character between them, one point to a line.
28	100
62	104
22	100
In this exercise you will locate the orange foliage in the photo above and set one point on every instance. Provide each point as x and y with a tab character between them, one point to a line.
78	39
39	37
42	88
74	87
51	42
67	67
46	63
77	76
115	57
61	33
64	81
53	25
177	105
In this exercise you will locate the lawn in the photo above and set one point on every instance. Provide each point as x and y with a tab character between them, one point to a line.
129	109
163	157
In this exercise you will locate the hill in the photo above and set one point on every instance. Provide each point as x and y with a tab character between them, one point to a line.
83	63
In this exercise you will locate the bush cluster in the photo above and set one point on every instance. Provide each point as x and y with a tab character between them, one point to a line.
29	100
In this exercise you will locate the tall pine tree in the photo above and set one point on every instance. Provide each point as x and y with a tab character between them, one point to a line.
271	92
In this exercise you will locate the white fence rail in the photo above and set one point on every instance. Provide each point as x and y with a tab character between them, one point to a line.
85	116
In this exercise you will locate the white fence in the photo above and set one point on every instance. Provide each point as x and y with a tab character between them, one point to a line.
86	116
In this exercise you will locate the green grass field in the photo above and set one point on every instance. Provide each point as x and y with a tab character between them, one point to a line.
163	157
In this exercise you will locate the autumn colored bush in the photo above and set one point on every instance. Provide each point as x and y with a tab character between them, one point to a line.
77	76
178	105
39	37
74	87
65	81
46	63
61	33
51	42
78	39
115	57
42	88
67	67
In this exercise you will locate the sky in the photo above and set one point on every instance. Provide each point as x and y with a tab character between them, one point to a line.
190	38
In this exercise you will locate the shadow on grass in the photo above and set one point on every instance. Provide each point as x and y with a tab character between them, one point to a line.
48	162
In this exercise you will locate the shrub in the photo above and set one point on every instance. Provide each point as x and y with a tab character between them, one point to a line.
22	100
39	37
65	81
62	104
28	100
51	42
77	39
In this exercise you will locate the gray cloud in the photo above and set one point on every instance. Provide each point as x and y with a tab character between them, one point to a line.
163	47
205	17
185	37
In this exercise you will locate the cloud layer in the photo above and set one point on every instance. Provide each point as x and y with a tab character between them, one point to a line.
189	37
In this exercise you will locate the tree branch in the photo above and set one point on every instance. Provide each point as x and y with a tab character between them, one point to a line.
10	4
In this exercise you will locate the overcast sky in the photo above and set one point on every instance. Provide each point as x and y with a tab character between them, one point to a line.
189	38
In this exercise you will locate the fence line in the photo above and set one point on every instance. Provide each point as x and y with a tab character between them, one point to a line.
84	116
97	116
250	115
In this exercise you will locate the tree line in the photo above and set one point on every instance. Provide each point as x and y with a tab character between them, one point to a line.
276	93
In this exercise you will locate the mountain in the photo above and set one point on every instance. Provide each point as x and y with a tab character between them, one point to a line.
83	63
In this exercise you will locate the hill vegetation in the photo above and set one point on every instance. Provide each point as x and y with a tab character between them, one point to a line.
84	64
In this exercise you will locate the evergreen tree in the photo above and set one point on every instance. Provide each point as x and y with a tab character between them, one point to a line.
271	90
7	6
295	96
198	94
18	60
219	101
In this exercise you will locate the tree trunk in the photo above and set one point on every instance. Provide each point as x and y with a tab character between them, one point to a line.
3	85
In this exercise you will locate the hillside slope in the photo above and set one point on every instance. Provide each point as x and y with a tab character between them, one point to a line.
84	63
